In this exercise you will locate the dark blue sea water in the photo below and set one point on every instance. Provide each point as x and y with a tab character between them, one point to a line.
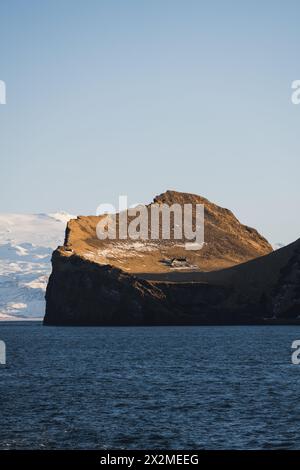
161	387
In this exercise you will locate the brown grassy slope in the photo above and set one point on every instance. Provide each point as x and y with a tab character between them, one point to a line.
227	242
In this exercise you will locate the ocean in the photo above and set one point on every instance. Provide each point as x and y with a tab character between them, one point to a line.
231	387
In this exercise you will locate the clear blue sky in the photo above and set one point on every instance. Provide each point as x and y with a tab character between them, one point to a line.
136	97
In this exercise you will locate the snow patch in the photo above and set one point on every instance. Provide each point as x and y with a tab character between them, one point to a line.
62	216
16	306
278	245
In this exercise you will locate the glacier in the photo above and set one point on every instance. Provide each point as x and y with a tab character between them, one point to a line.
26	245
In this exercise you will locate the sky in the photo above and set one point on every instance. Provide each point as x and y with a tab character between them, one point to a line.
114	97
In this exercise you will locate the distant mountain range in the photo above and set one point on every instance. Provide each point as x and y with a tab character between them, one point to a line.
26	245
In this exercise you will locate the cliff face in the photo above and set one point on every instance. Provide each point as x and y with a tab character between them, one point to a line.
81	292
286	293
88	287
84	293
262	291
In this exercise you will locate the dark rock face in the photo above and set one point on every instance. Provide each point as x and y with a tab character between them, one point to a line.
286	294
81	292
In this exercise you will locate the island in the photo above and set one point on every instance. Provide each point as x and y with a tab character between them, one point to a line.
235	278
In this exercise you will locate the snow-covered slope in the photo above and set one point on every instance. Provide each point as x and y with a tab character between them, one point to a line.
26	244
278	245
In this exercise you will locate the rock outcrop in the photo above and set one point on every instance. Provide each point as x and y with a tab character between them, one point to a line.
234	279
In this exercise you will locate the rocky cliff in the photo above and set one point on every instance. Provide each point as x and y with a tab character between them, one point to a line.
235	278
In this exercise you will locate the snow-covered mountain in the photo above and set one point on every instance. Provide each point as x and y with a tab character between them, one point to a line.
26	245
278	245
